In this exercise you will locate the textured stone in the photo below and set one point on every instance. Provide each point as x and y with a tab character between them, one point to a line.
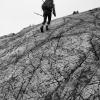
59	64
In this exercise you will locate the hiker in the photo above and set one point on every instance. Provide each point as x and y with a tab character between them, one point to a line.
48	8
75	12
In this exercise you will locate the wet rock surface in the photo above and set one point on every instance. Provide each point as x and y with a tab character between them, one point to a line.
59	64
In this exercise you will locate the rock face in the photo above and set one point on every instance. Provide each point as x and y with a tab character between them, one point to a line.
59	64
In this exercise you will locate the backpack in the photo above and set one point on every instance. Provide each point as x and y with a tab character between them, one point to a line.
48	4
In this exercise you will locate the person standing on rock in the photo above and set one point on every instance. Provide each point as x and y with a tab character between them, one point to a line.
48	8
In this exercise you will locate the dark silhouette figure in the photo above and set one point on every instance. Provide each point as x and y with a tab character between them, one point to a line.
75	12
48	8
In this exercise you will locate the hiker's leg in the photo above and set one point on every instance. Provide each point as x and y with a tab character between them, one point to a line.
49	20
44	21
44	18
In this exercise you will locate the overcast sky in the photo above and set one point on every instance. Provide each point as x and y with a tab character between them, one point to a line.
18	14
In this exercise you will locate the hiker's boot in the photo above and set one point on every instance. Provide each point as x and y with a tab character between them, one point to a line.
47	27
41	28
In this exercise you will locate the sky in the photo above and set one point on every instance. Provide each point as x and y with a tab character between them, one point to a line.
18	14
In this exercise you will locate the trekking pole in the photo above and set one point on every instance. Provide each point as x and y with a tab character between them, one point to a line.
38	14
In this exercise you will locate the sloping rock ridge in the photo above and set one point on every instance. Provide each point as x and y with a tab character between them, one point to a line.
60	64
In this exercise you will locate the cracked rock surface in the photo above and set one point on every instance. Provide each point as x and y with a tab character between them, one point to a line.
60	64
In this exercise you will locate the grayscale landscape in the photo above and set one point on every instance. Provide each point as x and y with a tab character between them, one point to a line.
62	63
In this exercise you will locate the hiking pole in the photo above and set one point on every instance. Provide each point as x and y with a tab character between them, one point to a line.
38	14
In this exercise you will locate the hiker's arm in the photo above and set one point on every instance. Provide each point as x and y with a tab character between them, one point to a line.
54	12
